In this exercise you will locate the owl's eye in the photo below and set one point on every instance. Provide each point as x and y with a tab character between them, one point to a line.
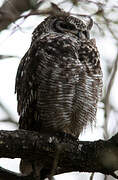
67	26
62	26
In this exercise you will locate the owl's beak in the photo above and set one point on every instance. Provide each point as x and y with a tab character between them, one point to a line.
87	34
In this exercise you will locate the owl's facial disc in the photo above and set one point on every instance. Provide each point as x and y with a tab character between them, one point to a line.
66	27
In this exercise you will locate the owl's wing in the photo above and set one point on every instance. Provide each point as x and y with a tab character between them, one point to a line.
89	87
19	83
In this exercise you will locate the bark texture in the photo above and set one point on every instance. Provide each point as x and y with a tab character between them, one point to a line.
69	153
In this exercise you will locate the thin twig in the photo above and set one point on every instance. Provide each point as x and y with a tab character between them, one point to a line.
91	176
6	56
106	99
107	21
9	120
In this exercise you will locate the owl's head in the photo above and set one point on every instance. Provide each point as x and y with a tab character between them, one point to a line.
64	23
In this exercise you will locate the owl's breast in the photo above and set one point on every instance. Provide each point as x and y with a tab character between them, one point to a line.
57	91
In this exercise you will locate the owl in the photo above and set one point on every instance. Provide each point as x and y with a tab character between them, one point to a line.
59	79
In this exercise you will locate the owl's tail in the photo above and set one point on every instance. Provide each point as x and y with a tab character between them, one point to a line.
28	166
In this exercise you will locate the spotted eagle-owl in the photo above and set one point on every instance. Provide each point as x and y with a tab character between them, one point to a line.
59	80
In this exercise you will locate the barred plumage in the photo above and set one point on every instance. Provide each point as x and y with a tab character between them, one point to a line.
59	80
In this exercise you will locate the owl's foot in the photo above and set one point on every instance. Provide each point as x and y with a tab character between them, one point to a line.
66	136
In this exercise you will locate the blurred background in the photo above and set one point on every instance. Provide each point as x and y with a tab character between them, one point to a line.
17	22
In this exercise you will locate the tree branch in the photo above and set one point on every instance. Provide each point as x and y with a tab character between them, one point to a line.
98	156
11	10
9	175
